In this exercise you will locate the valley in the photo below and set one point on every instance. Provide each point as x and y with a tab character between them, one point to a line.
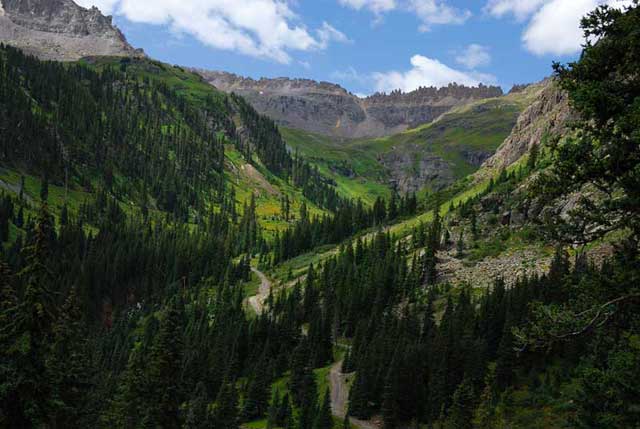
184	248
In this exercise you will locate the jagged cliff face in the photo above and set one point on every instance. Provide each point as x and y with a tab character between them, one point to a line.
329	109
548	116
60	30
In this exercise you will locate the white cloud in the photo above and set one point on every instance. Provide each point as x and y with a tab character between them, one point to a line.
521	9
430	12
427	72
259	28
351	75
474	56
376	6
555	28
328	33
554	25
106	6
434	12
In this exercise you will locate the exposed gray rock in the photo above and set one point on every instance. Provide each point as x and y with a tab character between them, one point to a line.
409	171
329	109
547	116
476	157
60	30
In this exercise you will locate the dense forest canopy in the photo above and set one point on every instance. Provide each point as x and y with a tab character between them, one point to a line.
128	309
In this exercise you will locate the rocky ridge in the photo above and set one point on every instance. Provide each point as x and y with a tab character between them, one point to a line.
329	109
60	30
548	116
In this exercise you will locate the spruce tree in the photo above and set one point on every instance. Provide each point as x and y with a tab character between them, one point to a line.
164	364
225	410
323	419
70	365
461	410
197	412
26	384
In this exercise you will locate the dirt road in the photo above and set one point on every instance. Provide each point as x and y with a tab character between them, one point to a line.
340	397
257	301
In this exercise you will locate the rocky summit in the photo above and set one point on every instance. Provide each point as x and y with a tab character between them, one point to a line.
329	109
60	30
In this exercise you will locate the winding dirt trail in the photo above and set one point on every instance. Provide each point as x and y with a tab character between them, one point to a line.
257	301
340	397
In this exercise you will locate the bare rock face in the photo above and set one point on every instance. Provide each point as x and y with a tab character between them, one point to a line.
548	116
409	173
60	30
329	109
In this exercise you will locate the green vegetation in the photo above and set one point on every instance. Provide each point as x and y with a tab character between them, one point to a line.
126	260
357	173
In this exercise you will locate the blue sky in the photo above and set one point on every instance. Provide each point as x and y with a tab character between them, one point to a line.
364	45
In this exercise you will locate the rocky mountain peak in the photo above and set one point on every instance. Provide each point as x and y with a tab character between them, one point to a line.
60	30
329	109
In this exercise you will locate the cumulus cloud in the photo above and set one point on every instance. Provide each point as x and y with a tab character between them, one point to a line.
554	25
427	72
106	6
474	56
430	12
328	33
259	28
376	6
434	12
521	9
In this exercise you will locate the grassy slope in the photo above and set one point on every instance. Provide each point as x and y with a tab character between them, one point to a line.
357	172
267	187
479	126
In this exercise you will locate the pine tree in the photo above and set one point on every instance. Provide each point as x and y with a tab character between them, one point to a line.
197	413
44	189
533	157
484	416
346	422
274	408
26	385
461	411
390	396
164	364
225	410
285	415
323	419
257	398
70	365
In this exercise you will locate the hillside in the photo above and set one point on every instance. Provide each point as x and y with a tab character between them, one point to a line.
172	258
427	158
328	109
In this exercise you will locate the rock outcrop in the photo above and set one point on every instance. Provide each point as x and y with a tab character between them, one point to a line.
60	30
329	109
548	116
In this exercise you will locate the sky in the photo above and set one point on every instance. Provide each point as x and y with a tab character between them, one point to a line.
364	45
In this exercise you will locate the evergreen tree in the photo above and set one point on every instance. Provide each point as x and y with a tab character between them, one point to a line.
70	365
461	411
164	363
225	412
323	419
26	384
197	409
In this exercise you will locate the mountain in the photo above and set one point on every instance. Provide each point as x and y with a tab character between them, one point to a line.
170	257
60	30
329	109
429	157
547	116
